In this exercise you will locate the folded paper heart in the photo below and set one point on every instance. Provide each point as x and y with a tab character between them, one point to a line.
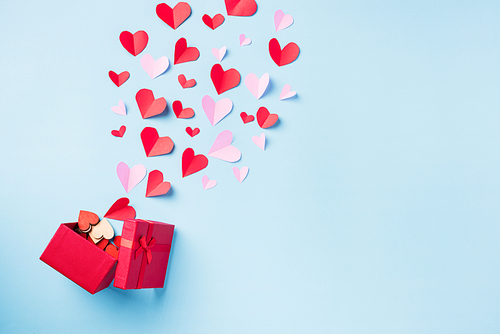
192	132
216	111
192	163
173	17
224	80
155	145
266	119
255	85
287	92
244	40
207	183
120	210
153	67
183	54
240	174
102	230
214	22
219	53
130	177
222	148
282	20
246	118
283	57
86	219
119	133
156	186
260	141
120	109
182	112
241	7
148	105
134	43
119	79
186	83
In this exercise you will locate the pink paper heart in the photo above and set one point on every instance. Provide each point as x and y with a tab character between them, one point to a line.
154	67
240	174
219	53
222	148
216	111
207	183
130	177
282	20
120	109
286	92
260	141
255	85
244	40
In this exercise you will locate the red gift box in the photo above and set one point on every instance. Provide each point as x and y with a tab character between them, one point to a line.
144	252
79	260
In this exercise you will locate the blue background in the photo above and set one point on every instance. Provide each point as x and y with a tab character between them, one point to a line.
374	208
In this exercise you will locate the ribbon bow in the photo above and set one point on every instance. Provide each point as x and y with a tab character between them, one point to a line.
145	246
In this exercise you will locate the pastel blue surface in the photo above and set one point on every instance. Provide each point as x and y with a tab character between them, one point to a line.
373	209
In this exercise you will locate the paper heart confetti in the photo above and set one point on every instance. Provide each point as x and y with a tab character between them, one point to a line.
245	40
86	219
207	183
246	118
192	163
260	141
282	20
103	230
283	57
134	43
186	83
241	7
156	185
214	22
120	109
120	210
155	145
130	177
224	80
148	105
153	67
266	119
287	92
173	17
182	112
219	53
119	79
183	54
222	148
216	111
192	132
255	85
119	133
240	174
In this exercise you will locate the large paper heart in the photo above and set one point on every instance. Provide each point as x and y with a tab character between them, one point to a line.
265	119
192	163
154	67
130	177
222	148
240	174
207	183
214	22
134	43
120	109
241	7
102	230
255	85
148	105
192	132
156	186
119	79
86	219
120	210
184	54
173	17
186	83
224	80
216	111
119	133
282	57
260	141
282	20
154	144
182	112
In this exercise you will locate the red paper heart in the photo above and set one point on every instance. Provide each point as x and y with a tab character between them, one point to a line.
282	57
119	133
184	54
156	186
117	240
112	250
134	43
192	132
173	17
103	243
86	219
265	119
246	118
241	7
180	112
224	80
120	210
192	163
119	79
148	105
154	144
214	22
186	84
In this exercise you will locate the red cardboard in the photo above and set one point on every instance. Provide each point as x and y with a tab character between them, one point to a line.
118	79
214	22
120	210
156	186
224	80
173	16
148	105
183	54
283	56
134	43
155	145
266	119
241	7
192	163
181	112
186	83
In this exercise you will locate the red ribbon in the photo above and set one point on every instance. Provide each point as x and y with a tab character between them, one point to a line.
145	246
